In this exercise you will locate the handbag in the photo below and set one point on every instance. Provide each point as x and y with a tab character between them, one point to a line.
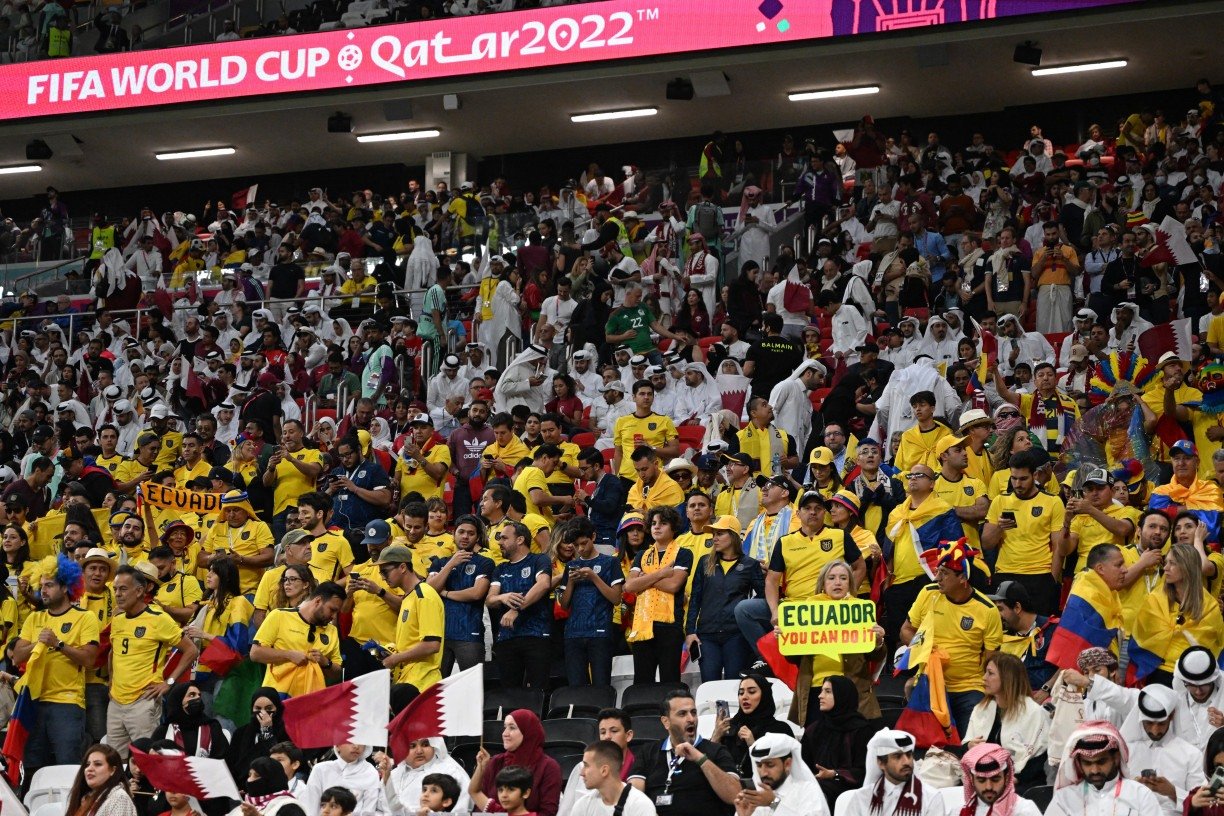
939	769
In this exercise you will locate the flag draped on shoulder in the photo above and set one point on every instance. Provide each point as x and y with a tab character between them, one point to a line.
25	713
1092	617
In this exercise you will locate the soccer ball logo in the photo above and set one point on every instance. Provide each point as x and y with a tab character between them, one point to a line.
349	58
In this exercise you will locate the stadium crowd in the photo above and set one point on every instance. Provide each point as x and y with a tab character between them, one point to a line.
283	446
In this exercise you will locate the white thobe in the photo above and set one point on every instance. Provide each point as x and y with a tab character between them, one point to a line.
1124	797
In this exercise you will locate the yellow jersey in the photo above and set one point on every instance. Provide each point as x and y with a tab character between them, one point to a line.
964	492
140	644
266	592
422	617
966	631
415	480
1026	549
630	431
1091	532
250	539
800	558
62	680
529	479
184	473
330	555
291	483
237	612
372	618
286	629
431	546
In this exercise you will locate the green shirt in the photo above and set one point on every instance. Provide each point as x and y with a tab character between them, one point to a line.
435	298
638	318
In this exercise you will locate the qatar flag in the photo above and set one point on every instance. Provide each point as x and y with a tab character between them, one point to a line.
354	711
1171	245
242	199
201	777
1173	336
450	708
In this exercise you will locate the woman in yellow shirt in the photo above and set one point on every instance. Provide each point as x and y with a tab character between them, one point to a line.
16	546
244	463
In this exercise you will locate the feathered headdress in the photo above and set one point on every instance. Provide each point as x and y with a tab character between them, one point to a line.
1117	371
1209	380
955	555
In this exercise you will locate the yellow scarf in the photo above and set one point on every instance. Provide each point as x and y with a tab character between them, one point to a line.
654	605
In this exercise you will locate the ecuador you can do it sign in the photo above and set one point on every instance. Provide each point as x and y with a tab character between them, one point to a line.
826	627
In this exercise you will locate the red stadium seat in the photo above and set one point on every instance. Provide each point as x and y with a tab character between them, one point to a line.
583	440
706	342
665	344
1055	339
608	453
330	413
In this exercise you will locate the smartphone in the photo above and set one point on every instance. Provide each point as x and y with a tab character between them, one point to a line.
1007	515
748	783
1217	781
722	709
1148	773
694	651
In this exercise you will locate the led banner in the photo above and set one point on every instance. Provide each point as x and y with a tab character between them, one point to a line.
826	627
467	46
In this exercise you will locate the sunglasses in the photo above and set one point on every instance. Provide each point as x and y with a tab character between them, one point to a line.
1009	415
912	476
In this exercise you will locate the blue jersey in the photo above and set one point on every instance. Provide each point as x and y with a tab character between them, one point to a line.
464	619
351	512
590	612
520	576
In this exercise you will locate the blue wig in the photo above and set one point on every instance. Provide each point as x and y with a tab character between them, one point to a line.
68	575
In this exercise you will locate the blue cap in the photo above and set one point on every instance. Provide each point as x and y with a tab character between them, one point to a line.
1183	446
376	532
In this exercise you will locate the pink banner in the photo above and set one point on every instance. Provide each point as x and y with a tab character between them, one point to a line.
462	46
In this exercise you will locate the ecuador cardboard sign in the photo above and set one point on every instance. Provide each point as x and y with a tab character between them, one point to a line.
184	501
826	627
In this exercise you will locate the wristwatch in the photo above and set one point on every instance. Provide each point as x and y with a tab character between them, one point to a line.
169	681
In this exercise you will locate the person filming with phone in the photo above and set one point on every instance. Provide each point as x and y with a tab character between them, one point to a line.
1208	799
782	784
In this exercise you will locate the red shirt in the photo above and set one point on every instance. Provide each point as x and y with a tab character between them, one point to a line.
351	243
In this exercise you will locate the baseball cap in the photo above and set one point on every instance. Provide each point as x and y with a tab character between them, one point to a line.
223	474
739	458
1096	475
946	442
847	499
730	523
1183	447
421	419
821	456
1012	592
395	554
1078	353
378	531
615	385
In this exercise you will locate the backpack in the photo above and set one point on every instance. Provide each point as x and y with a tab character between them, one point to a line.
707	220
475	209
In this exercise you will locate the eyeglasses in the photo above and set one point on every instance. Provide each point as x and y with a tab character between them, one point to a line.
290	579
387	569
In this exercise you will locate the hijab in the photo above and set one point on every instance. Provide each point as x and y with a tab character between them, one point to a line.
185	728
532	747
270	784
760	720
845	715
251	741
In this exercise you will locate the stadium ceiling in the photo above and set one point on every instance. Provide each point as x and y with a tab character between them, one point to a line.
1168	44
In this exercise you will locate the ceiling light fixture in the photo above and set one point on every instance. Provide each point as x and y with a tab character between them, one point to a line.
1083	66
20	168
196	154
606	116
806	96
399	136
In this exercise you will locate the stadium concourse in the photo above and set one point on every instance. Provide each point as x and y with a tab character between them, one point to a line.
277	473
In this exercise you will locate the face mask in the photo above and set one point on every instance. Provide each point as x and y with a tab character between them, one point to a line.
194	708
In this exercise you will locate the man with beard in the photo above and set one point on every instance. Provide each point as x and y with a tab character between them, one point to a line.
990	784
890	787
466	444
1093	777
293	638
684	774
784	785
586	378
1018	346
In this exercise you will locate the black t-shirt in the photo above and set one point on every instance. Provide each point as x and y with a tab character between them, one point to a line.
775	358
690	791
284	278
262	409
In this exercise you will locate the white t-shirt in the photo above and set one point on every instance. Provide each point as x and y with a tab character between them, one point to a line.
592	804
887	229
557	312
